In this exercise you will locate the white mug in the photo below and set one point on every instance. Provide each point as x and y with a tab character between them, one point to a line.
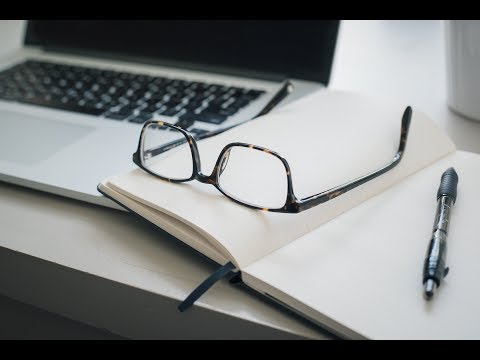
463	66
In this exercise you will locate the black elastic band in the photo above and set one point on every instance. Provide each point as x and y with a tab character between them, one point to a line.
205	285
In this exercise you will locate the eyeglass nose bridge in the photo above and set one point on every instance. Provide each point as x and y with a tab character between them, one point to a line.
205	179
217	171
219	167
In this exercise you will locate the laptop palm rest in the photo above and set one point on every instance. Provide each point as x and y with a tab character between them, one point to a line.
28	140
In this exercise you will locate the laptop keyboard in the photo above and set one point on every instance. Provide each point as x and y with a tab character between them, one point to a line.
121	95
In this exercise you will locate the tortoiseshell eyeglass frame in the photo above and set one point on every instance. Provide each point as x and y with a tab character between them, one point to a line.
292	203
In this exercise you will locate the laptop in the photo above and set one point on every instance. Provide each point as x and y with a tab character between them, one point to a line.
73	99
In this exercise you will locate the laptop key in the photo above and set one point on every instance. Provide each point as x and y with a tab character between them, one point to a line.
141	118
172	103
120	114
192	105
115	116
169	112
197	132
229	111
241	102
253	94
185	123
212	118
151	108
187	119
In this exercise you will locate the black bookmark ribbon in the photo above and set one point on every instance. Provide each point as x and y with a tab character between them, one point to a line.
205	285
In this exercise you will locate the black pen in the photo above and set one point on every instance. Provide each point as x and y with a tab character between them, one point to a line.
434	267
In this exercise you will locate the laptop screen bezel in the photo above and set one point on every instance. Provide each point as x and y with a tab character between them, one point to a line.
323	76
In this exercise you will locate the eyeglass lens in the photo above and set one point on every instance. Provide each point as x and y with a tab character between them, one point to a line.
165	151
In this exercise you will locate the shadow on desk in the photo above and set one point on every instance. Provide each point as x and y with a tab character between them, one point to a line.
110	270
24	322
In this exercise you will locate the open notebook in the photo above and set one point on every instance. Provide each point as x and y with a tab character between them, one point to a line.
353	264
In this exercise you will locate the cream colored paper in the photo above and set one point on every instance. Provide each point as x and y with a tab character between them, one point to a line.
361	273
189	235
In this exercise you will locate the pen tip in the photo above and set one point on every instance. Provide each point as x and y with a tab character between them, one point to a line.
430	287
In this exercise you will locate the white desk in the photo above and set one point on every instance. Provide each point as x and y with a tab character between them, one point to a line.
82	261
403	60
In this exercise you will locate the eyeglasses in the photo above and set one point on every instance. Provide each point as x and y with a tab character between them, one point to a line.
171	153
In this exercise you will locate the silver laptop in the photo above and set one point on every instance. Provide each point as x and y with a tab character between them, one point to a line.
73	99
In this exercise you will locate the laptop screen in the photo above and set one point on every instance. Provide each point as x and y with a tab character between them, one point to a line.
301	49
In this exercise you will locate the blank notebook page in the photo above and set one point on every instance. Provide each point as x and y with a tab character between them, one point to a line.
361	273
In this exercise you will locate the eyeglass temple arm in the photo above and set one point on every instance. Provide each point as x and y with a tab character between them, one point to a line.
172	144
330	194
282	93
285	89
